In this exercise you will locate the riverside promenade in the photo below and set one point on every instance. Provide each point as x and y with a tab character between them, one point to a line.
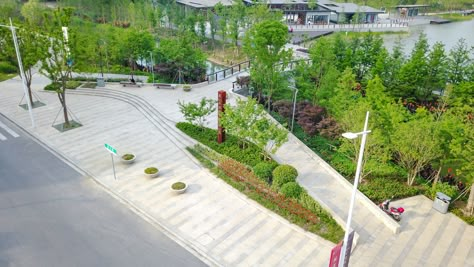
212	220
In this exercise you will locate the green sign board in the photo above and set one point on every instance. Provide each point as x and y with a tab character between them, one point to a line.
111	149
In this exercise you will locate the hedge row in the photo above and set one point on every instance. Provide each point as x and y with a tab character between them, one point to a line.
251	155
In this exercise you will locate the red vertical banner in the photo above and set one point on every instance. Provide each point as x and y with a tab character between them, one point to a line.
335	255
221	96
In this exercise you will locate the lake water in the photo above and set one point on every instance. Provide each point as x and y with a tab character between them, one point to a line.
448	34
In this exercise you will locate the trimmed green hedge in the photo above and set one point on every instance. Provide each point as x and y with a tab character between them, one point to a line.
379	189
263	170
283	174
291	189
7	68
53	87
251	155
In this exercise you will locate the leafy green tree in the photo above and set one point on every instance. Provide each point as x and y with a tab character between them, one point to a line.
460	58
213	25
236	20
248	121
344	96
264	44
413	74
197	113
322	58
437	72
60	54
223	14
182	57
137	46
413	146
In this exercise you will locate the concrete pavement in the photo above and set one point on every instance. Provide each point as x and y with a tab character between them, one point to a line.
213	220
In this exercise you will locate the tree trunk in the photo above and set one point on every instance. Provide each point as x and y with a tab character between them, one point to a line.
436	178
28	76
470	202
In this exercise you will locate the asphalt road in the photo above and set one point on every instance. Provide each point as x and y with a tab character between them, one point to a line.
50	215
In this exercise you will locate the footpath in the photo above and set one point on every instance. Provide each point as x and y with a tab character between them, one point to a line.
212	220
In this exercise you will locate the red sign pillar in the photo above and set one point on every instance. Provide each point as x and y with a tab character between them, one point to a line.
221	95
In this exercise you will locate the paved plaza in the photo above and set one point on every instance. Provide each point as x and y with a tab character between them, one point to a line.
212	220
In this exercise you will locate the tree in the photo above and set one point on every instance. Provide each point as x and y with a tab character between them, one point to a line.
137	46
437	72
264	44
413	144
414	72
60	55
182	57
222	12
248	121
197	113
458	62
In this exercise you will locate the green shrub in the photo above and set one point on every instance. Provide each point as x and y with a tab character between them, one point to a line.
283	174
343	164
53	87
72	84
263	170
445	188
151	170
251	155
468	219
84	79
379	189
6	67
89	85
291	189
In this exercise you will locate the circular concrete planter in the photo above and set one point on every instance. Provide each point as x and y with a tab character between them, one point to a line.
128	158
179	187
151	172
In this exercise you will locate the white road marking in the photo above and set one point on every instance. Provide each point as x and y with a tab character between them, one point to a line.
10	131
2	137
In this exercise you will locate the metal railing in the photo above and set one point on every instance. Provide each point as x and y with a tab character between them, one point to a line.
228	72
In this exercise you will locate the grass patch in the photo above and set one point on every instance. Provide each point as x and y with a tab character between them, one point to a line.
6	76
455	17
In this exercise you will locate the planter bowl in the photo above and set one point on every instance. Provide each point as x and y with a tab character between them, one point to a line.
128	158
151	175
178	187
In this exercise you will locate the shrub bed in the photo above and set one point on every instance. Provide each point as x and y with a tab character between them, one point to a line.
53	87
241	173
379	189
7	68
263	170
251	155
283	174
239	177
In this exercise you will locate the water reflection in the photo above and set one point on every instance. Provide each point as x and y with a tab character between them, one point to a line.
448	34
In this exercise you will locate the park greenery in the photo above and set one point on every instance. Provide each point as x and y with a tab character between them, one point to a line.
421	105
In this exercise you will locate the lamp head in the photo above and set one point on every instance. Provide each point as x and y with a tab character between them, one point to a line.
349	135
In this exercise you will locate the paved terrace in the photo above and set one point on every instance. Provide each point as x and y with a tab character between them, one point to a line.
213	220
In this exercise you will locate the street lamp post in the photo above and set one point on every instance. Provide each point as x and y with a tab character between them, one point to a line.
22	73
354	189
152	67
294	108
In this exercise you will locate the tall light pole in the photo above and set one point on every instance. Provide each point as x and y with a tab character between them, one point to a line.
294	108
22	73
152	67
349	135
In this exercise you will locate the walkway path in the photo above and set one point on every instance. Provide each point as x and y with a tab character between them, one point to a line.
213	220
